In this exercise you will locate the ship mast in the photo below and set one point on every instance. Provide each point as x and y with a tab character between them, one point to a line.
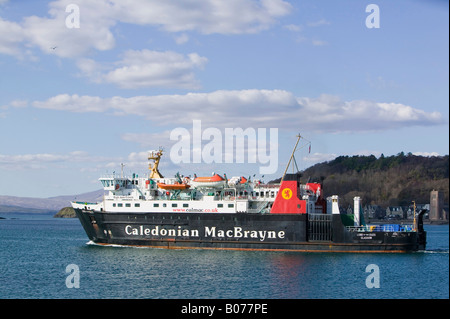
155	156
292	157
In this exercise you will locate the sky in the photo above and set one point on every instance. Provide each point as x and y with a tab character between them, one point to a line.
88	85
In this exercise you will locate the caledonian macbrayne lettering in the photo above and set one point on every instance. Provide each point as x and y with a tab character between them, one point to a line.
208	232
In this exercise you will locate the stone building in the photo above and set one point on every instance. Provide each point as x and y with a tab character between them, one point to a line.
437	212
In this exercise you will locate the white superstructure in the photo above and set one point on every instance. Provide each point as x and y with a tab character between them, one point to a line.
182	194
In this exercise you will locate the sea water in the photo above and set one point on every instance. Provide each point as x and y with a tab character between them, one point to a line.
48	258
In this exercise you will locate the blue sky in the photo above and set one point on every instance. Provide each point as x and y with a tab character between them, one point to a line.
77	102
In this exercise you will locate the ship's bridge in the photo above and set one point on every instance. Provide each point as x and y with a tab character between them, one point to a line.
113	183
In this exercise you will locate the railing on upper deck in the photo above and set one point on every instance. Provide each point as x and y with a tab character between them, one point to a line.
382	228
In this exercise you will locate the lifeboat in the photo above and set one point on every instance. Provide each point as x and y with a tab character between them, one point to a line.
177	186
237	181
214	181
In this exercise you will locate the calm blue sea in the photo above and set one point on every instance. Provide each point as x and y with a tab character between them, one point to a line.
36	249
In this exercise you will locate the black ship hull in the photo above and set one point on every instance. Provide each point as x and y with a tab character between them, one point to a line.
243	231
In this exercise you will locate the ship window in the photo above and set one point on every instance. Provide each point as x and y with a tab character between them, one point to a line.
185	205
137	205
120	205
230	205
219	205
114	205
164	205
155	205
127	205
174	205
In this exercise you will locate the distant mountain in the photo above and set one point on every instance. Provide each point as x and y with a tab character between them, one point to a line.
17	209
386	181
42	205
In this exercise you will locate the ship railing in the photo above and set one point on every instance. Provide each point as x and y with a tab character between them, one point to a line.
381	228
84	203
263	186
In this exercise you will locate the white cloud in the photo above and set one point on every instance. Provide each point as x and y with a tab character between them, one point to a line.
19	103
137	69
427	154
368	153
181	39
97	18
330	114
293	27
318	23
94	33
11	37
206	17
315	158
148	68
253	108
78	160
148	140
73	103
35	161
319	42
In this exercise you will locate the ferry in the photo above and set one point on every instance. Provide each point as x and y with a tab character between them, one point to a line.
214	212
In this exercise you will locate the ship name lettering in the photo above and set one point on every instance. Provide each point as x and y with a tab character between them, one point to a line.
157	231
237	232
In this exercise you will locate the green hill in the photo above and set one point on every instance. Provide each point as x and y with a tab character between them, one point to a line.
386	181
66	212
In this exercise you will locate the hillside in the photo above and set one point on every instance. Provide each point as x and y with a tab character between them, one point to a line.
66	212
386	181
11	204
